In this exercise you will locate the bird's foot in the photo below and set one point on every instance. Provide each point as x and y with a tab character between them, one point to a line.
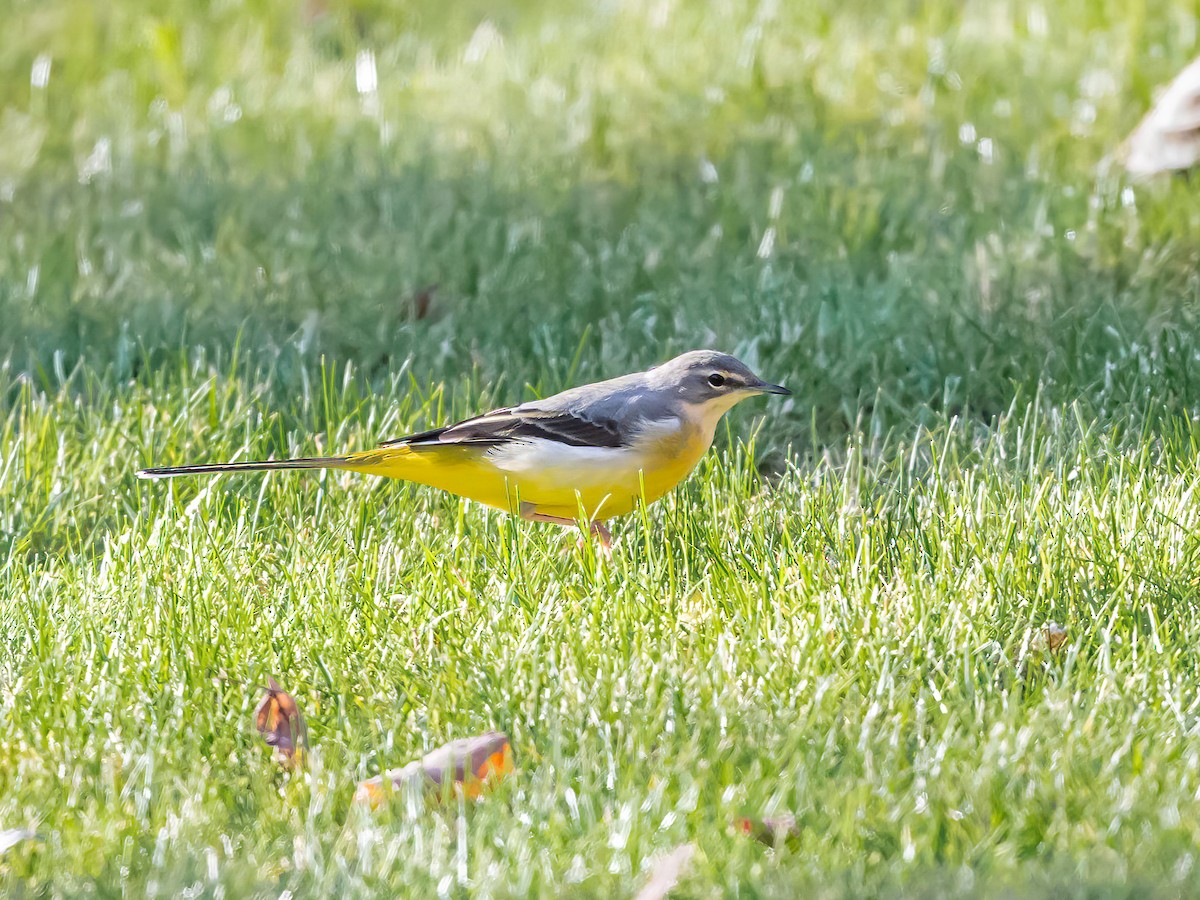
603	536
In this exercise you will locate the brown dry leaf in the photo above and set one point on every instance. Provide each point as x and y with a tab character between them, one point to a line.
772	830
279	721
1168	138
470	764
1050	637
422	301
1056	636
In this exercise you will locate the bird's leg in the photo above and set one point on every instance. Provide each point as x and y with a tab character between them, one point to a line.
529	513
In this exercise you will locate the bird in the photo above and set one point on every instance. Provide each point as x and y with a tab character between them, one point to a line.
587	454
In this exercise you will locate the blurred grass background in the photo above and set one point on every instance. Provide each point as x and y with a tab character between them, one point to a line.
267	227
882	196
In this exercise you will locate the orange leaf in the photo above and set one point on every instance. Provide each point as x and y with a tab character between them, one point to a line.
469	764
279	721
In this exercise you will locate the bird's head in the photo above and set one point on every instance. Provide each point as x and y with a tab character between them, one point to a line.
711	382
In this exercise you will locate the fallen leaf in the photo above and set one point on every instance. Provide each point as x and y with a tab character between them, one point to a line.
1056	635
422	301
772	830
470	764
279	721
665	872
10	837
1168	138
313	10
1050	637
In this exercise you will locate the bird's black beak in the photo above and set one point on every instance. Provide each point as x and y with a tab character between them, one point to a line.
763	388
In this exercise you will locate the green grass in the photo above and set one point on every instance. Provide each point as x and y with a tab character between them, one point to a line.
212	245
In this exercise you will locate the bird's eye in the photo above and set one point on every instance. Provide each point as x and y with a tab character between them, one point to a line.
716	379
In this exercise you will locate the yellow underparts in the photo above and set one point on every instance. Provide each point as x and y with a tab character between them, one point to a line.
601	483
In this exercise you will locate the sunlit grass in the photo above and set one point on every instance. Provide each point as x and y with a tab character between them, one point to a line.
216	230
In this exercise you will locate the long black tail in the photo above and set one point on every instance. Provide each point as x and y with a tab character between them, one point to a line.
268	465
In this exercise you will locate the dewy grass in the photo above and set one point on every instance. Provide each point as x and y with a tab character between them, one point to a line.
257	230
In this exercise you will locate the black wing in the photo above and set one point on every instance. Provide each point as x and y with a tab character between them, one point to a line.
521	423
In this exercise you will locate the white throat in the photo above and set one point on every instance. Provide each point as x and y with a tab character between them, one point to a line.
705	416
